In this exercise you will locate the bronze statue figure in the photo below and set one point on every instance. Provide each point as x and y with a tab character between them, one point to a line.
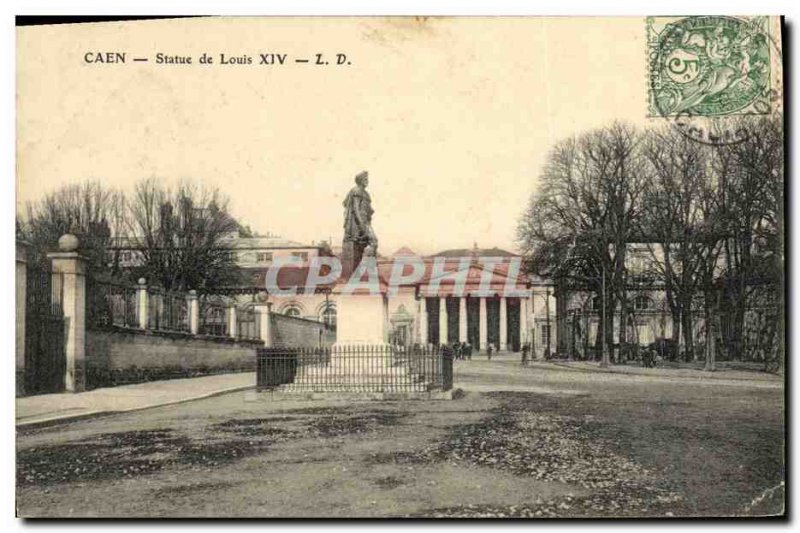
358	216
359	238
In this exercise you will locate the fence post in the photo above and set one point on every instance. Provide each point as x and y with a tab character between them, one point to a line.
447	370
72	267
263	309
232	323
194	312
21	295
141	303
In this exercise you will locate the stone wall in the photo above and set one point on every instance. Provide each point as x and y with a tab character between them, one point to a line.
118	356
299	332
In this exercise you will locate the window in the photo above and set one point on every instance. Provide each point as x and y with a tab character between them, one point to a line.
292	311
303	256
641	303
637	264
328	315
125	256
264	257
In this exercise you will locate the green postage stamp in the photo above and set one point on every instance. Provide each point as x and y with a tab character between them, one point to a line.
712	66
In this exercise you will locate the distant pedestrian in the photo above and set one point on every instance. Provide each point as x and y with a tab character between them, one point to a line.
457	350
525	348
489	351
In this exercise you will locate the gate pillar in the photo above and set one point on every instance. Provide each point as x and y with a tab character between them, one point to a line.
263	310
72	267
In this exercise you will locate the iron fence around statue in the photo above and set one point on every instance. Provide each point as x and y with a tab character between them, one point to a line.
368	368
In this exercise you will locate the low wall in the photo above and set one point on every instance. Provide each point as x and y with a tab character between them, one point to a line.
118	356
294	332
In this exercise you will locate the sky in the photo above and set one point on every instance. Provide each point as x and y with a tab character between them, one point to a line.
453	118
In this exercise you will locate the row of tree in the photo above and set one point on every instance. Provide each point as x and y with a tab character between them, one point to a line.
711	217
174	235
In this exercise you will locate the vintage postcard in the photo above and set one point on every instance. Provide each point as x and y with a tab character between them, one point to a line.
400	267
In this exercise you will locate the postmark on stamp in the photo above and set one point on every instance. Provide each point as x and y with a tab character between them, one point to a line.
705	70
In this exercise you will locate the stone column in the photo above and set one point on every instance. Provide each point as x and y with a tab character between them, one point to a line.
141	303
423	321
232	322
462	319
21	295
72	266
442	320
532	327
385	318
194	312
524	327
483	330
503	324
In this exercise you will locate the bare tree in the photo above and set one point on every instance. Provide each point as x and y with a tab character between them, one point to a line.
680	223
583	215
92	212
711	216
750	177
180	234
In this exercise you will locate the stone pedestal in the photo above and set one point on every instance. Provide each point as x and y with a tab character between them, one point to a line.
361	319
361	355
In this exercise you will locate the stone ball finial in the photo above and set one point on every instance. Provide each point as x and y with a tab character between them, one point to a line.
68	243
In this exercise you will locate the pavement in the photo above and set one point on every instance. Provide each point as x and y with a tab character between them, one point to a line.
45	409
722	372
638	445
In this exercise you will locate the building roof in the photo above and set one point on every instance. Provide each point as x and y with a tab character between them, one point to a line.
442	279
480	252
404	251
233	242
244	243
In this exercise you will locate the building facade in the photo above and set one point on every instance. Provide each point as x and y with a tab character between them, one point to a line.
424	312
431	311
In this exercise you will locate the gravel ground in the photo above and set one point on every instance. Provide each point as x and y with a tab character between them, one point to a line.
553	448
532	443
